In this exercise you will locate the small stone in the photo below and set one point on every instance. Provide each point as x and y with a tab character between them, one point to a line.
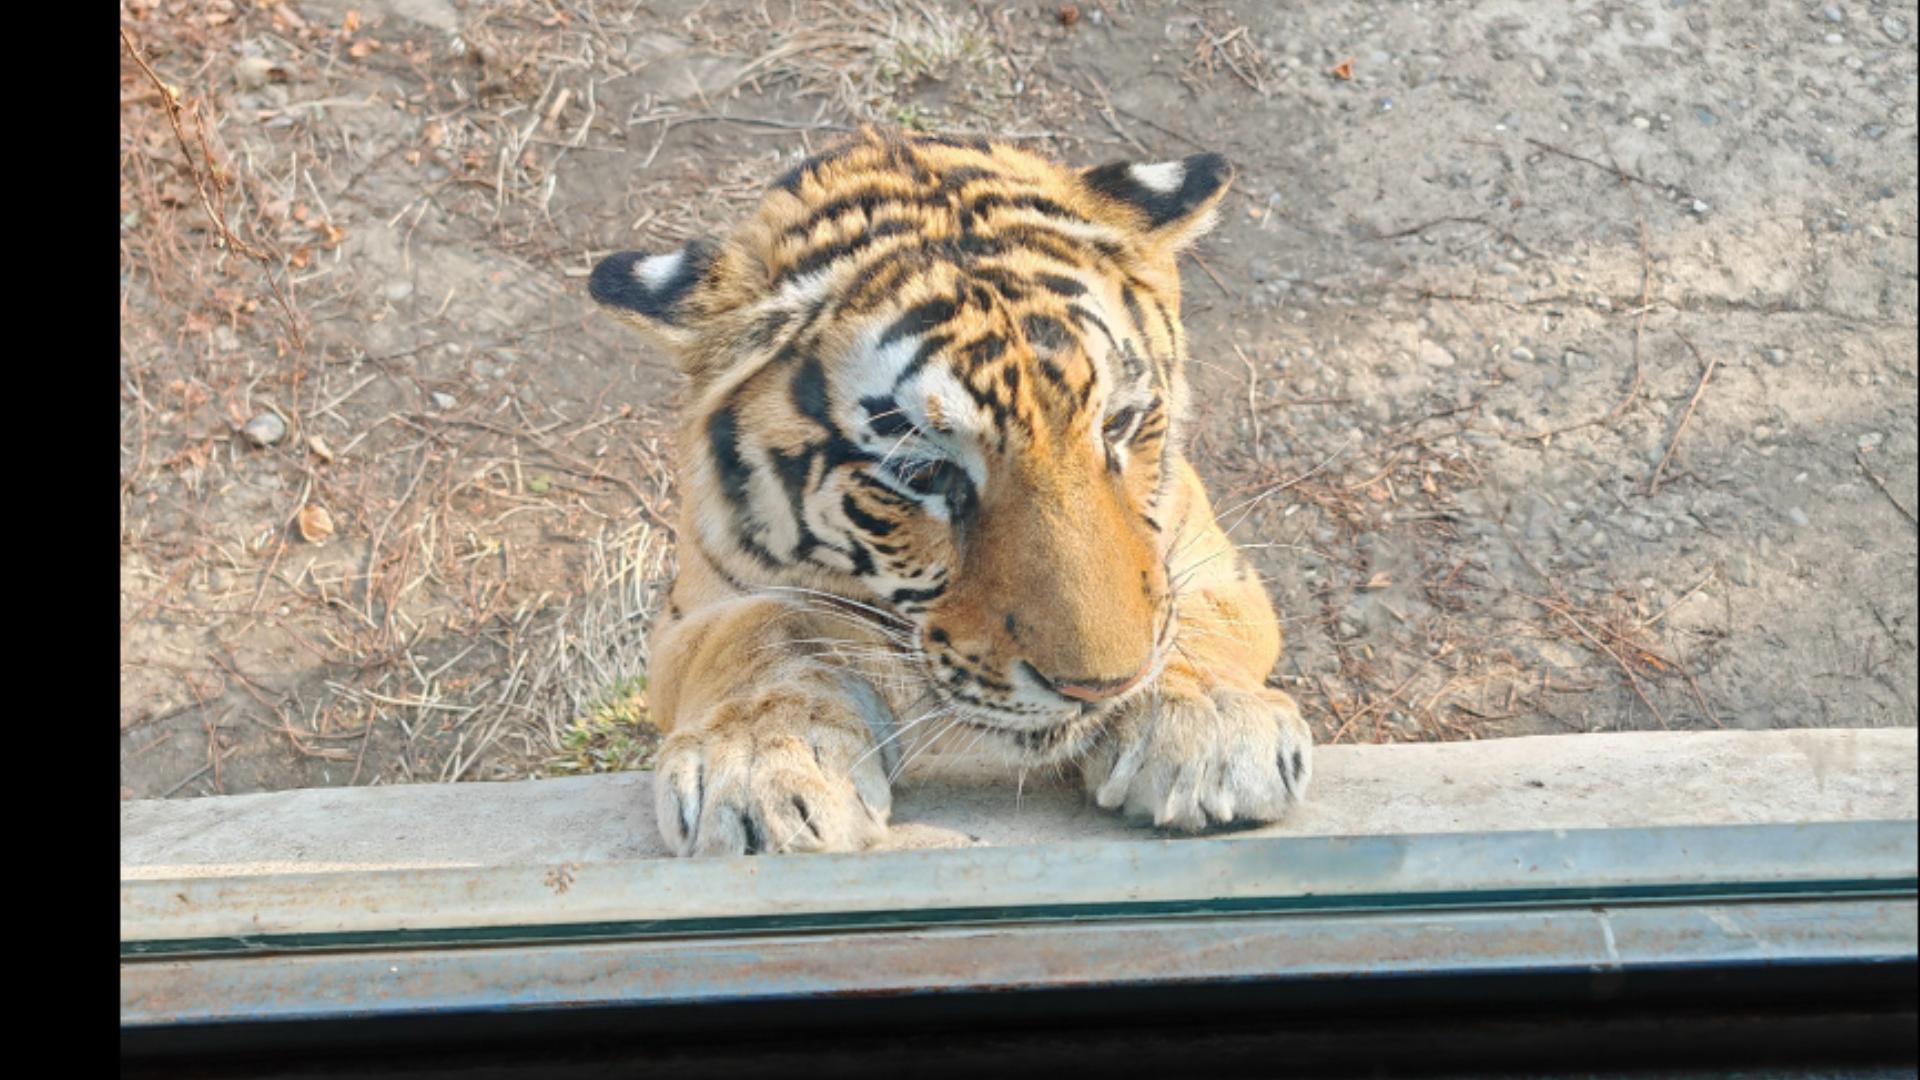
1894	28
442	401
320	448
1505	268
1521	353
1853	63
1777	357
253	72
1642	123
1836	39
1875	132
1705	116
1871	439
265	429
1740	568
1433	355
397	290
1835	15
1798	517
1538	68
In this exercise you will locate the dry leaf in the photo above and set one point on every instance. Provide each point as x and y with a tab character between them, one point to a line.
1343	70
315	524
320	448
350	25
362	49
1379	581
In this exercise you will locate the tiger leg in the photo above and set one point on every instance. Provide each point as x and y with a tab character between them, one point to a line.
771	746
1209	743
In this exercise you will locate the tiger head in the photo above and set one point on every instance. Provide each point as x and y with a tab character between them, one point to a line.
942	380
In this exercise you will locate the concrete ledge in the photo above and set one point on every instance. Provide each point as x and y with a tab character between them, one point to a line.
1549	782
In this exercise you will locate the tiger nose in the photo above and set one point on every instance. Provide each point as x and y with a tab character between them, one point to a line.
1092	689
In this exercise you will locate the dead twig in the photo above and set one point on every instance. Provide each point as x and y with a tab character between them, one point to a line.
1414	230
1564	609
1623	175
1653	481
191	777
1253	411
211	188
1202	264
1882	485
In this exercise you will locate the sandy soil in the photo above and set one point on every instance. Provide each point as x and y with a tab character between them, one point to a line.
1557	361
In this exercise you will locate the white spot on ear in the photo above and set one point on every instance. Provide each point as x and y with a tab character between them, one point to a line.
1162	178
655	271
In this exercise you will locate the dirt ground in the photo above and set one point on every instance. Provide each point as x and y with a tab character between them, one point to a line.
1556	361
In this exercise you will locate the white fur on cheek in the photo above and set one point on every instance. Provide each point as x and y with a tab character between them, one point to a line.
1162	178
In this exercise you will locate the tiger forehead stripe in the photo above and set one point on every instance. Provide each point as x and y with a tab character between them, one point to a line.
902	204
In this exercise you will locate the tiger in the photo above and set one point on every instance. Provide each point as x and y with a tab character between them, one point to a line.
933	481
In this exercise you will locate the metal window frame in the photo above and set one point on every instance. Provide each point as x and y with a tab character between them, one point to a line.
1741	916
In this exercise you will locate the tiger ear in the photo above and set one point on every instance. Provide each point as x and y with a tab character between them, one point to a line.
1174	201
664	295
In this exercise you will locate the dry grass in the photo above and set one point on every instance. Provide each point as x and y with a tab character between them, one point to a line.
871	61
441	622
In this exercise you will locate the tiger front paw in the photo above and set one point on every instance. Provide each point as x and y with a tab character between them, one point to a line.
772	774
1191	761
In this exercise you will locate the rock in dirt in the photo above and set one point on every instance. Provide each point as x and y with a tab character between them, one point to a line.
1740	568
443	401
1432	355
265	429
254	72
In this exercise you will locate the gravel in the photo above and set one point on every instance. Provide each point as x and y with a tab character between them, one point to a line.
265	429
